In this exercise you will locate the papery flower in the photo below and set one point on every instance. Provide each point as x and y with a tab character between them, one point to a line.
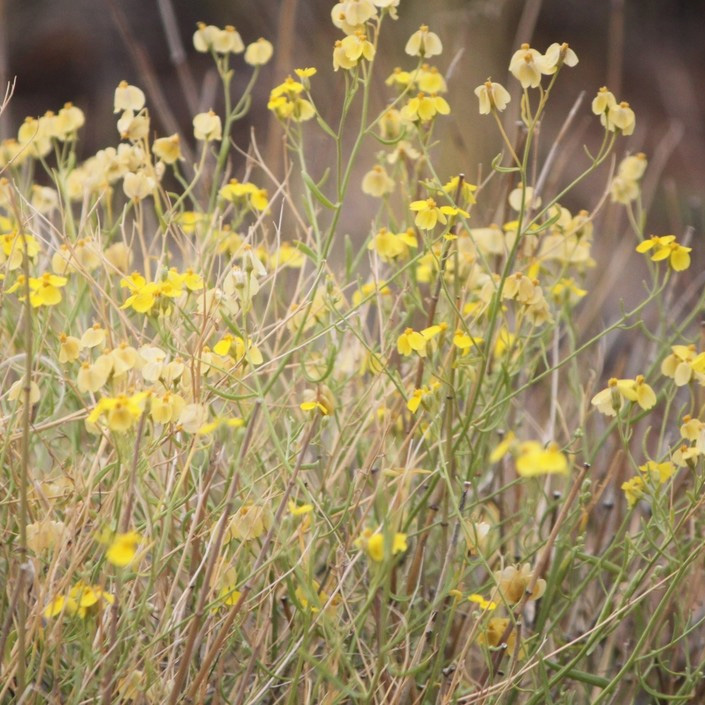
621	117
168	149
603	102
138	186
492	95
513	582
423	43
494	633
249	522
528	65
390	246
558	55
128	97
70	348
259	53
222	41
46	535
207	127
377	182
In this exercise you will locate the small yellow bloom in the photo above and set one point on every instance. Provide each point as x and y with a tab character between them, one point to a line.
374	544
297	510
534	459
633	489
123	548
168	149
528	65
425	107
484	604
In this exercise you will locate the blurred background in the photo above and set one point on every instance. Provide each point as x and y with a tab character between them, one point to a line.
648	52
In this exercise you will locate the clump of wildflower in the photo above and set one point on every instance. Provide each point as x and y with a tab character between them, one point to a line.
513	583
286	101
83	599
348	52
246	193
43	291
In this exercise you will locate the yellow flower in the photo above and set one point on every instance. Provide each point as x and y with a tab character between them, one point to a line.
168	149
228	595
390	246
660	472
59	605
424	108
249	522
348	52
558	55
218	422
482	602
464	341
44	291
534	459
297	510
496	627
259	53
609	400
423	43
666	247
70	348
411	341
121	411
428	213
128	97
633	489
374	544
513	582
286	102
492	95
527	66
123	548
207	127
222	41
376	182
603	101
